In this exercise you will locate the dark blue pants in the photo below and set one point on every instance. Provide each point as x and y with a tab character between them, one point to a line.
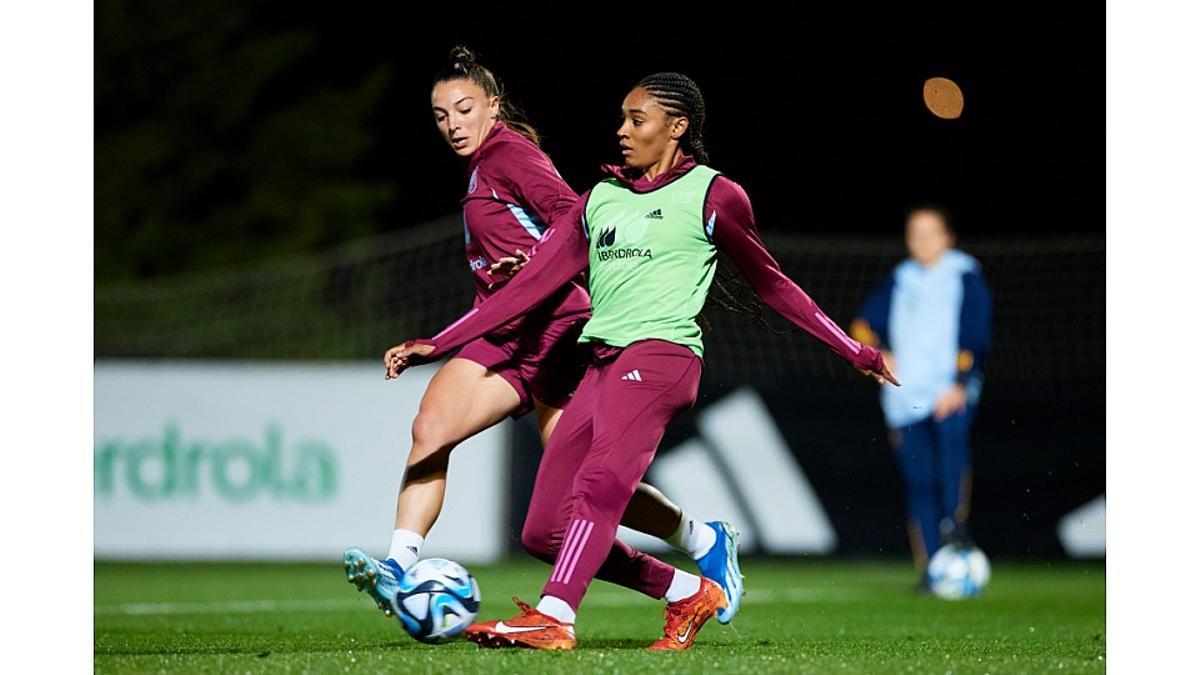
935	459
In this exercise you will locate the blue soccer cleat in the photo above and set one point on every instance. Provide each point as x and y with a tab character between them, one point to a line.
721	565
378	578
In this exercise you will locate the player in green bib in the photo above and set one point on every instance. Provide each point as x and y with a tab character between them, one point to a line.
648	236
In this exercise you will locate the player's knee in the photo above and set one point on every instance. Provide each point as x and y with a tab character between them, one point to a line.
430	435
917	472
605	490
538	540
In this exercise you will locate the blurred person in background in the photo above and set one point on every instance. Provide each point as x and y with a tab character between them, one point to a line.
931	317
530	364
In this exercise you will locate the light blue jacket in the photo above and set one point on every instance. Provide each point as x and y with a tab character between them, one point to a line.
937	322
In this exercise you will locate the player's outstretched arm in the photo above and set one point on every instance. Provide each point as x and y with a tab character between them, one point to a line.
731	220
558	258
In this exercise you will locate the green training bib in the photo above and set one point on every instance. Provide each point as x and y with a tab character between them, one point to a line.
652	260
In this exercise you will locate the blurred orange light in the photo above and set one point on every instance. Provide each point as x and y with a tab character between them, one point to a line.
943	98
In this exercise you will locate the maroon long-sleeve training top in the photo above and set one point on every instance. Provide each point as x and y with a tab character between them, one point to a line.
562	253
513	193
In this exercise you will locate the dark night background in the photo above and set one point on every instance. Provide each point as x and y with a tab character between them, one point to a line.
268	133
228	132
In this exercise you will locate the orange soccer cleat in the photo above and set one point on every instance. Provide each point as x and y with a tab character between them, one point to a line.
530	629
684	618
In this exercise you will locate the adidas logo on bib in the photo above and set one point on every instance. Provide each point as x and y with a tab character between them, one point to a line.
656	214
632	375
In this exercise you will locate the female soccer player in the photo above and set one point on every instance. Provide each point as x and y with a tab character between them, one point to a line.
532	362
649	234
932	317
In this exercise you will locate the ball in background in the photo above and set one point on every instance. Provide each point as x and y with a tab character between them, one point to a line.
958	572
437	600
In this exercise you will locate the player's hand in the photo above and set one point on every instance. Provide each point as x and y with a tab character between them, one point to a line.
951	402
397	359
881	372
508	266
889	359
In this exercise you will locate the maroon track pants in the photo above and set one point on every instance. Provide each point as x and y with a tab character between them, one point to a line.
594	461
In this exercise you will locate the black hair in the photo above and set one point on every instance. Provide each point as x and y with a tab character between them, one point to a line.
936	209
680	97
464	65
737	297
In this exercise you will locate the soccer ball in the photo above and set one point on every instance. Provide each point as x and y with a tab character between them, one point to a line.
956	572
437	600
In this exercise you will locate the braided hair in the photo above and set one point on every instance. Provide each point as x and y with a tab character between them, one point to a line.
464	65
680	97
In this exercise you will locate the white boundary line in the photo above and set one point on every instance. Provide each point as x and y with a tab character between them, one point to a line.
757	597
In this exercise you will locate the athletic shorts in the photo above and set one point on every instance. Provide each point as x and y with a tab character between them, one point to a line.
544	364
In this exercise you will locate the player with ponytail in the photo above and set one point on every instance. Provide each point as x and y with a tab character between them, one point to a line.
531	363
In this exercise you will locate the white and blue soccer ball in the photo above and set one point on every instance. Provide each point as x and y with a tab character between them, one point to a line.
437	600
957	572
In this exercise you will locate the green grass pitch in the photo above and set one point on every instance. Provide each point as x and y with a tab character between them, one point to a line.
807	616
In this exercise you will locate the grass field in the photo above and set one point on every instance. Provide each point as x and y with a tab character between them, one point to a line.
805	616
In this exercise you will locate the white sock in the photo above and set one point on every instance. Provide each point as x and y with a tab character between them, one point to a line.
692	537
557	608
406	548
683	585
